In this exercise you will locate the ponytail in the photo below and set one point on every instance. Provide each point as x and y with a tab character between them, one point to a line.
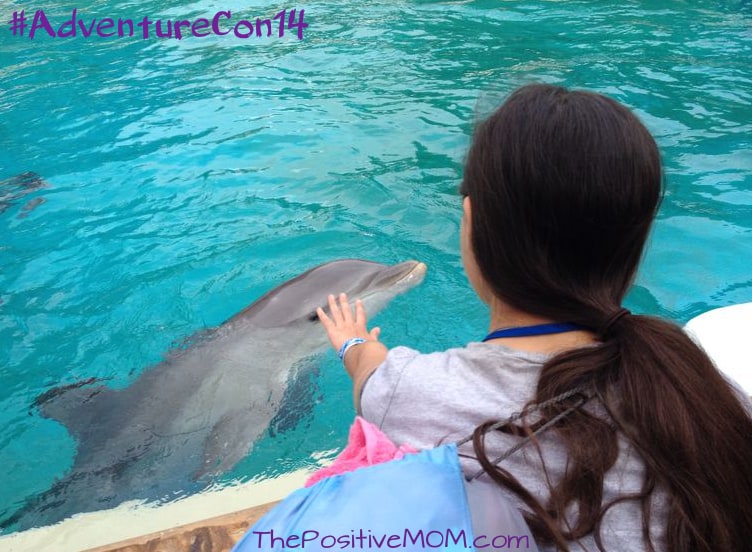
662	392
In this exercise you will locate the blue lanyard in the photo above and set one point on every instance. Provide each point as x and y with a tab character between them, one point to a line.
539	329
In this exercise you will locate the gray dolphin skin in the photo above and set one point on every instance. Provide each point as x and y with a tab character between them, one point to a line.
200	411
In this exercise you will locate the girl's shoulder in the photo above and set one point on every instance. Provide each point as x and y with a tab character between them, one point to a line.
453	375
474	354
447	393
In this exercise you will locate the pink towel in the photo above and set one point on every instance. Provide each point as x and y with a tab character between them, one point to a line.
367	445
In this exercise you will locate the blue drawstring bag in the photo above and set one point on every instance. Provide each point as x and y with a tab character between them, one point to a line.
418	502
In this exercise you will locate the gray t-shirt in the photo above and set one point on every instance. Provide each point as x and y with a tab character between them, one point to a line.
428	399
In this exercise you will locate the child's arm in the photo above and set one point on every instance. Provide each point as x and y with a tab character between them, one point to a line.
360	359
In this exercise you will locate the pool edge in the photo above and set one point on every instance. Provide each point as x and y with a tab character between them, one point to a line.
131	526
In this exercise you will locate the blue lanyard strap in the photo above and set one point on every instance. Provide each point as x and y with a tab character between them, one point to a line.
539	329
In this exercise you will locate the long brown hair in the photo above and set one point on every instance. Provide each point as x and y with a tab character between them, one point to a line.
564	187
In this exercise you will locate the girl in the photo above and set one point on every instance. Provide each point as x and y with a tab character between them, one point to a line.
560	190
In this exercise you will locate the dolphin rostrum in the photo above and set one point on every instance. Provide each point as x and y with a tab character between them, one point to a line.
199	412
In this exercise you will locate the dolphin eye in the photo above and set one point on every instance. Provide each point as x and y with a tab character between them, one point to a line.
313	317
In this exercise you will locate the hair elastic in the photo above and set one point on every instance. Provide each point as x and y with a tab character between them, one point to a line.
607	326
347	344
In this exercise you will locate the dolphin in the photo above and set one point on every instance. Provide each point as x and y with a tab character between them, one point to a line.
15	188
198	413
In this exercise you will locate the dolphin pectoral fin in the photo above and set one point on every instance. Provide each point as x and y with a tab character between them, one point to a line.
300	395
228	443
78	406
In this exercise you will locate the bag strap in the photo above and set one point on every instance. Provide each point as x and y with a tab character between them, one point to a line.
584	397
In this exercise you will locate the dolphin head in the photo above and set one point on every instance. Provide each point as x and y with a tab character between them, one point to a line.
297	300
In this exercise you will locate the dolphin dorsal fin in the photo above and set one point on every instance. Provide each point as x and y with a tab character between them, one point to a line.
79	406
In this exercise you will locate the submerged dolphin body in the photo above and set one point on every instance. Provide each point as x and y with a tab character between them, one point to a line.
199	412
13	189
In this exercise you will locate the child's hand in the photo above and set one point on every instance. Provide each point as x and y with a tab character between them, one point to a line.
365	357
342	326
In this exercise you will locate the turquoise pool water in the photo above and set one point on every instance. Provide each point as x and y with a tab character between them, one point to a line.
185	178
